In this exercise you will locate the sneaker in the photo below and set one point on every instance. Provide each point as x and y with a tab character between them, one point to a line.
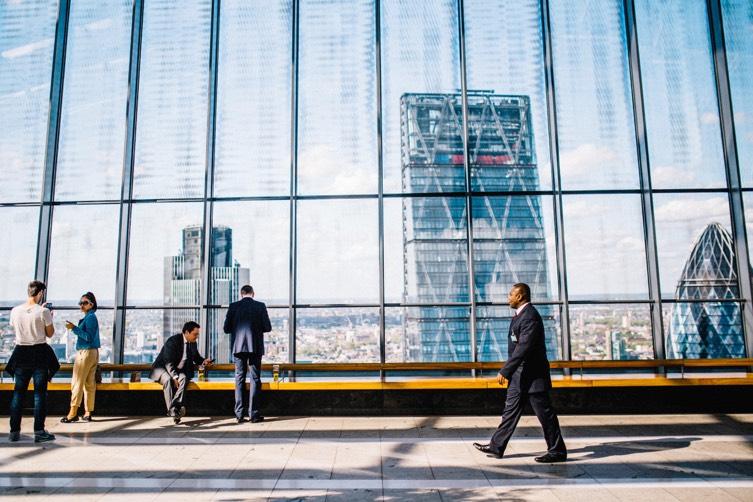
14	436
43	436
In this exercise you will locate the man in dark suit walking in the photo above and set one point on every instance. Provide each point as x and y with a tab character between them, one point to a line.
175	365
527	371
246	322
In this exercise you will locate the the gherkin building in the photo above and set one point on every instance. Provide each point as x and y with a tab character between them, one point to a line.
712	329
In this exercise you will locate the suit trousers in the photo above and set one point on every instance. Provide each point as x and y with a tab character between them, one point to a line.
243	362
83	383
173	396
542	407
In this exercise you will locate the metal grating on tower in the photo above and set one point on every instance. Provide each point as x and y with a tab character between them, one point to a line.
712	329
509	239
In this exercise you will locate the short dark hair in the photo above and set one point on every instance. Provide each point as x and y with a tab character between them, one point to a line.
190	326
90	296
524	289
36	287
247	290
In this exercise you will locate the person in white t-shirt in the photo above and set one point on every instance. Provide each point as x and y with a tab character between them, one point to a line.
32	323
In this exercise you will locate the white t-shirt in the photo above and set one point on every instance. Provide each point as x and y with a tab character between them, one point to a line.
29	321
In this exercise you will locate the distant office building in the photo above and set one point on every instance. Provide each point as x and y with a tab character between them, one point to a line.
182	285
712	329
509	242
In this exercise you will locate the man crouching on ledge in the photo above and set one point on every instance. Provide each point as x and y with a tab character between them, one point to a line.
175	365
527	370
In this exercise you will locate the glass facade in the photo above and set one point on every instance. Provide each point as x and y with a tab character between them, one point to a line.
382	173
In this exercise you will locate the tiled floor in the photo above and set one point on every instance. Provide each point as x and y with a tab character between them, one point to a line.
649	458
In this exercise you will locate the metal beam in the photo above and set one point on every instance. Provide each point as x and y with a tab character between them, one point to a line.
559	227
293	182
126	192
732	165
647	203
53	136
380	181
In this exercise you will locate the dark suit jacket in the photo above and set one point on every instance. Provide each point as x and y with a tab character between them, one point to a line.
527	366
246	322
171	354
33	356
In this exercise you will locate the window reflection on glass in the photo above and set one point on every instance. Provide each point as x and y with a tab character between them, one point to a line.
703	330
252	155
513	241
18	253
338	252
83	253
682	116
251	245
337	124
90	157
508	63
605	251
337	335
27	39
164	254
426	250
427	334
275	342
611	332
493	324
594	105
420	54
64	341
147	329
172	109
738	19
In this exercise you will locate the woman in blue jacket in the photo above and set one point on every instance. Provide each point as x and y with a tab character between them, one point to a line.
87	357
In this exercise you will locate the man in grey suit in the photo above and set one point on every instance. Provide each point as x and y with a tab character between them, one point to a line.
246	322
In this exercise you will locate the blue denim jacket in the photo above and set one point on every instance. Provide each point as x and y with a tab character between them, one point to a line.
87	332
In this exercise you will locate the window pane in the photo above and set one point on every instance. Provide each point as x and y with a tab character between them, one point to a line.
337	91
17	254
342	335
696	252
682	118
338	251
90	157
147	329
606	254
83	253
27	38
594	104
420	55
166	242
252	155
172	111
493	323
275	342
748	210
611	332
426	250
428	334
64	341
509	63
709	330
254	239
513	241
738	20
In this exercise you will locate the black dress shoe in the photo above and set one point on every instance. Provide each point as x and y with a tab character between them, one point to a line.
486	448
550	458
240	420
66	420
256	419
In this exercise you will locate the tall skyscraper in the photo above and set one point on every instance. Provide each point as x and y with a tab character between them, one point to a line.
509	242
182	284
712	329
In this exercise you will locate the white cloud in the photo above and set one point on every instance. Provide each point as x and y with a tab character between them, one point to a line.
321	170
586	159
25	50
710	118
693	209
672	175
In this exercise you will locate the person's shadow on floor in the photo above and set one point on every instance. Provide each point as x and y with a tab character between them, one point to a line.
620	448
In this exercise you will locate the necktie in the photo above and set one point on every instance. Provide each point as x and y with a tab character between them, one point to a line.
185	356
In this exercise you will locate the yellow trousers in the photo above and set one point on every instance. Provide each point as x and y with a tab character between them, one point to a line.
83	381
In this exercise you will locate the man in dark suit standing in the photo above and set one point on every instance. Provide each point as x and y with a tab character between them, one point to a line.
246	322
175	365
527	371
